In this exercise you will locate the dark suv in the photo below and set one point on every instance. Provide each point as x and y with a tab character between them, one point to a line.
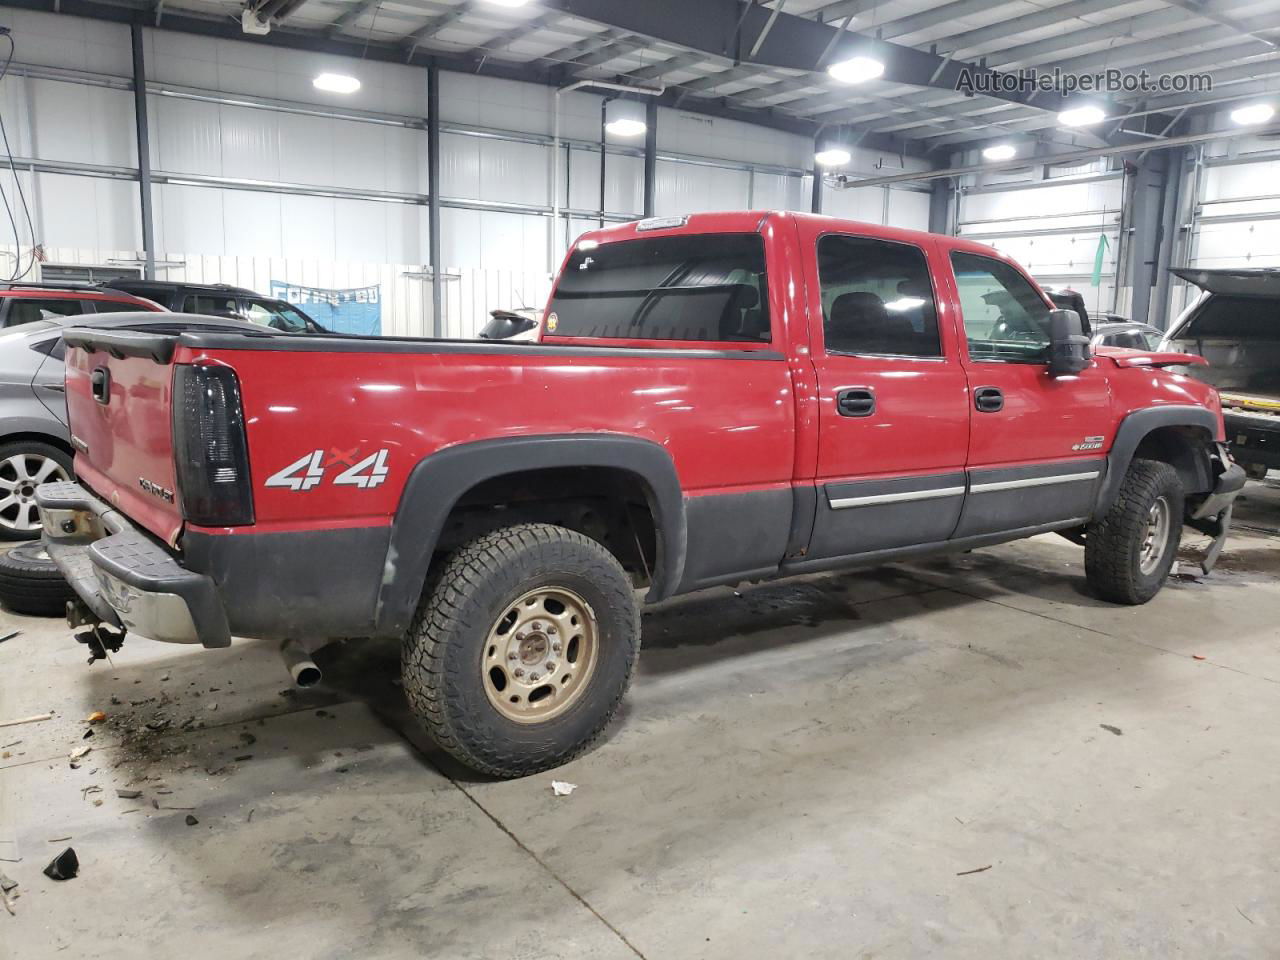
28	302
221	300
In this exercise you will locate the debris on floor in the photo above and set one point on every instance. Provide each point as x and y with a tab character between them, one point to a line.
33	719
10	636
562	788
128	794
7	887
191	821
64	866
96	717
965	873
1110	729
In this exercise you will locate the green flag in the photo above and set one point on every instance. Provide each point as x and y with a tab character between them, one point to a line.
1097	258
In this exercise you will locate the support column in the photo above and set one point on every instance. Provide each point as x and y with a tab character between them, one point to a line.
816	204
650	157
1145	233
1171	207
940	206
433	199
144	152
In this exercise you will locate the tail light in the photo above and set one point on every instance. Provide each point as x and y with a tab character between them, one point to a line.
209	448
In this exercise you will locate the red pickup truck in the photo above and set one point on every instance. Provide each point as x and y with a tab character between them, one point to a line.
715	398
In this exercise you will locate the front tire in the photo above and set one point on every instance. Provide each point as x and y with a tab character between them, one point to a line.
1129	552
522	649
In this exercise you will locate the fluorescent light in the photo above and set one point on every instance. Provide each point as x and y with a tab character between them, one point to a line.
507	3
1082	116
832	157
1254	113
856	70
336	83
1001	151
626	127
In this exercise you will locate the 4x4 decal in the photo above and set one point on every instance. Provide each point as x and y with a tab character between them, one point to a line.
309	471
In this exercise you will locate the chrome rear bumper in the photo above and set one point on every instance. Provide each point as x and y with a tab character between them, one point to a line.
124	577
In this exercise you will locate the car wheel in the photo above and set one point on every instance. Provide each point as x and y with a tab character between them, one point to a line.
30	583
24	465
522	648
1129	552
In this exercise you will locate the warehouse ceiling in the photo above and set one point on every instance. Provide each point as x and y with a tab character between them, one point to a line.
768	60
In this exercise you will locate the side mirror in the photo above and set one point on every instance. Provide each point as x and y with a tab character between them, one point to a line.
1068	343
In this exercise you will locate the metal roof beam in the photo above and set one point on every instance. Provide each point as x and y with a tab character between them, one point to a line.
724	28
1202	9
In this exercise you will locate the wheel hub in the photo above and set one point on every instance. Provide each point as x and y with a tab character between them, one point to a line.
20	474
1155	537
540	654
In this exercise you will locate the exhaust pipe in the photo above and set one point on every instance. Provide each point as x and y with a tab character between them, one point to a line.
301	667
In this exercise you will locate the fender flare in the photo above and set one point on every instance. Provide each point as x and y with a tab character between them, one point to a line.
439	481
1135	427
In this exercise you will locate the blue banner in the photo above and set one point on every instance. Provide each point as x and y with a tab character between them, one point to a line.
355	310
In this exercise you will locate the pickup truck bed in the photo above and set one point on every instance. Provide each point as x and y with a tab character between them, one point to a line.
714	399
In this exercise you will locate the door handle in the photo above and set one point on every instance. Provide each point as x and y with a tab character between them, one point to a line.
856	402
988	399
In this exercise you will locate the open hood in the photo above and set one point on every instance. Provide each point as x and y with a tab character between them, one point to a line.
1236	282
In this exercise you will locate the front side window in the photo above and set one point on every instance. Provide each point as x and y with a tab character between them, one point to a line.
702	287
876	298
1004	317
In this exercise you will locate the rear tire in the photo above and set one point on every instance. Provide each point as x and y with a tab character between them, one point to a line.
1129	552
24	465
31	584
522	649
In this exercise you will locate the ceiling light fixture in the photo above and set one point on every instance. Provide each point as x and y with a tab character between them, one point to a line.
832	157
625	118
507	3
626	127
856	70
336	83
1082	116
1253	114
1000	151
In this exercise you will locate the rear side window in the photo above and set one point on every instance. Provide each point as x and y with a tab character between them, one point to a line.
1235	318
213	306
30	309
703	287
877	298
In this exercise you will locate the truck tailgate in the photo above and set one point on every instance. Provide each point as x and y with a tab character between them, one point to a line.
119	405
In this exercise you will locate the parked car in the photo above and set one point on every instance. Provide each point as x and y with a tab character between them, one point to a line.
1126	334
715	398
25	302
518	325
35	443
1235	325
220	300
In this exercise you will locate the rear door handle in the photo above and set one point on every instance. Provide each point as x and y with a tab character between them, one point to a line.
988	399
856	402
100	384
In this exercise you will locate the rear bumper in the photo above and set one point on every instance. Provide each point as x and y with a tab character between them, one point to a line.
1254	438
123	576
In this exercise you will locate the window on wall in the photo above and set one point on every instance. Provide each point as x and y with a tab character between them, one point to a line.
704	287
1004	317
876	298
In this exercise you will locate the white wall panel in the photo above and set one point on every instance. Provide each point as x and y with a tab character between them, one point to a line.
188	219
513	172
855	203
59	41
308	228
690	188
186	136
252	222
909	209
775	191
88	212
86	124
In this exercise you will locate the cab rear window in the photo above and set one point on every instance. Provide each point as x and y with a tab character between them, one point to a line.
709	287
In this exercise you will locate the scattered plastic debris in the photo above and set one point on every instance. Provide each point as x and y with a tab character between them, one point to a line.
562	788
79	752
965	873
191	821
64	866
96	717
1197	656
7	887
10	636
1110	729
37	718
128	794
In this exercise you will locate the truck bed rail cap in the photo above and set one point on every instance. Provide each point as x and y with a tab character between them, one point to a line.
123	343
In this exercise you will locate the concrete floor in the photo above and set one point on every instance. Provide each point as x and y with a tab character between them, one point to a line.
811	768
